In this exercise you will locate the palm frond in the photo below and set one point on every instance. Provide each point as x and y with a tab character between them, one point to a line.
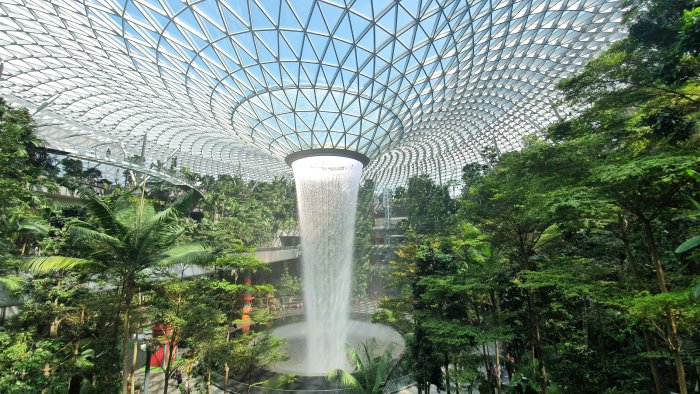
372	368
159	218
102	213
169	235
11	282
691	243
160	229
380	375
354	356
365	361
195	254
58	263
156	239
389	350
185	202
345	379
34	226
82	229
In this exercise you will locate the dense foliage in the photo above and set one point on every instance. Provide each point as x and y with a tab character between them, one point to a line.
249	212
22	166
89	277
364	224
572	264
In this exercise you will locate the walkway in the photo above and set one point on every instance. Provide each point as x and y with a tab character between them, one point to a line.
365	307
157	383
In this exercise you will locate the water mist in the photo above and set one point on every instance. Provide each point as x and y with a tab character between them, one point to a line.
327	188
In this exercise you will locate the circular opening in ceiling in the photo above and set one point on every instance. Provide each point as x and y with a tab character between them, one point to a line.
291	158
293	119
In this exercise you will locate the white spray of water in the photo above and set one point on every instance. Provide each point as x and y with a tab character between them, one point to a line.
327	188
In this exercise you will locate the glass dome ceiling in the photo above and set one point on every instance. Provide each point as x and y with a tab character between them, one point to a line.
234	86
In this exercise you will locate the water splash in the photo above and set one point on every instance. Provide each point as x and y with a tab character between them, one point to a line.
327	188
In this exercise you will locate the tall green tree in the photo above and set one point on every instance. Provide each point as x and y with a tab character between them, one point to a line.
128	242
429	206
650	115
364	224
23	165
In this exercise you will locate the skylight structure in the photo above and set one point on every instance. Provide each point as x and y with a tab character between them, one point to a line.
234	86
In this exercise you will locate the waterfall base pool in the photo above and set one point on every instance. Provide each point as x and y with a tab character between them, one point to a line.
296	336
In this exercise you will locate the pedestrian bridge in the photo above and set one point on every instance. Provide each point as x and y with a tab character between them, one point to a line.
266	255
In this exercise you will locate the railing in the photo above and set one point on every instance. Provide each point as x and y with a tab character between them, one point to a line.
111	159
242	388
103	157
391	387
398	384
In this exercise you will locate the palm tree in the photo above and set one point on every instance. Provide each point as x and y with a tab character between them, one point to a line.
127	240
373	369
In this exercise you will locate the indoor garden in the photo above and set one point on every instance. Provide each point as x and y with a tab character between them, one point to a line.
332	197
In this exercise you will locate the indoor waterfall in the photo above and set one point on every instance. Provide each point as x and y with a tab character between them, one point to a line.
327	188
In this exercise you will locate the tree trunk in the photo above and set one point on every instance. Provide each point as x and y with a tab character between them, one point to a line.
226	372
654	254
456	384
47	372
677	357
147	372
53	329
128	295
499	388
125	358
74	384
624	236
652	364
208	381
536	340
134	354
680	371
447	373
497	304
540	357
487	367
75	380
171	344
168	365
535	336
672	336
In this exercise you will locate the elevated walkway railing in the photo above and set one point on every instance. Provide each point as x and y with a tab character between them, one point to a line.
104	158
391	387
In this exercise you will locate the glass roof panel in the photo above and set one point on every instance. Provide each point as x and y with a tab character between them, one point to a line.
235	86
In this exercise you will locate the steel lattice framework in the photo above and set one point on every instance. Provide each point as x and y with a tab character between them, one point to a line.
234	86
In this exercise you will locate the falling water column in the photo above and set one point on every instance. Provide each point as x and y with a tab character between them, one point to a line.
327	188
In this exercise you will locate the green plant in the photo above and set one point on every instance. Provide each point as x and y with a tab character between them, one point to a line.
126	240
373	368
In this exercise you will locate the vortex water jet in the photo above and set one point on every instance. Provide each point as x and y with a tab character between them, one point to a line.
327	183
